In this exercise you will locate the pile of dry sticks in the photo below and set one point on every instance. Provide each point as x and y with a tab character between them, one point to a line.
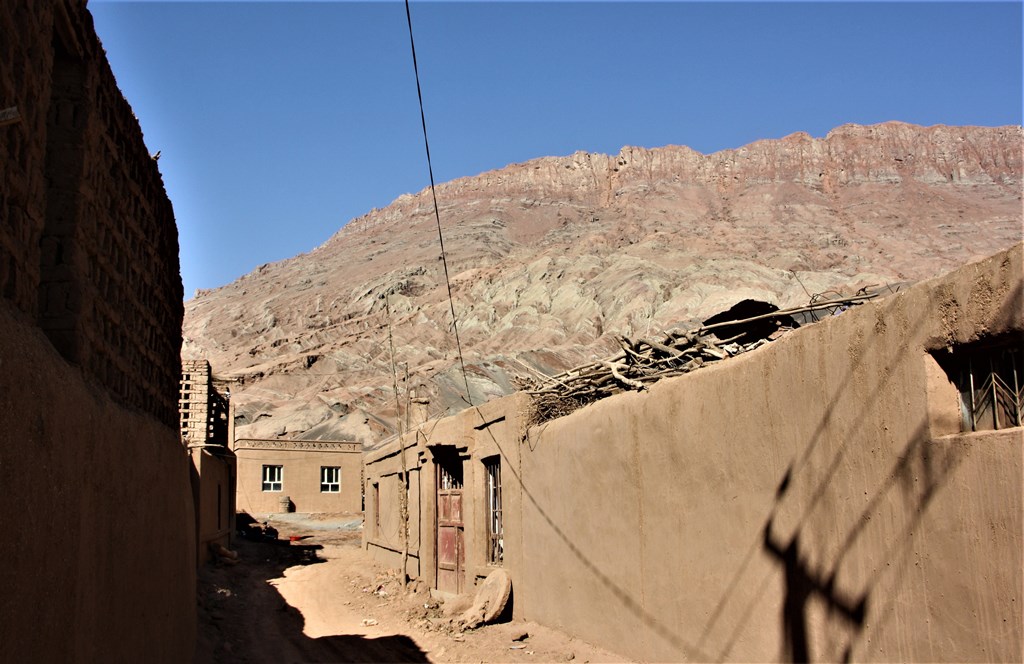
643	362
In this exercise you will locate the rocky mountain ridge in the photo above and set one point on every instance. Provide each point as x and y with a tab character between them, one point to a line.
549	258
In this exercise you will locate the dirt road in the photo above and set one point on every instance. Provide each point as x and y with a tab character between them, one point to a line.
320	599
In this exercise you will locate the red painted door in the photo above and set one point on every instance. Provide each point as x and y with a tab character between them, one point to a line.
451	550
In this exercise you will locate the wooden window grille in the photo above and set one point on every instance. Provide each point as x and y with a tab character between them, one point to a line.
495	533
990	379
449	476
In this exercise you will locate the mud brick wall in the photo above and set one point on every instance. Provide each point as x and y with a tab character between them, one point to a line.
24	83
89	246
204	410
90	326
194	401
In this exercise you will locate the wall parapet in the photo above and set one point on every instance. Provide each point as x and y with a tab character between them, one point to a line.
303	445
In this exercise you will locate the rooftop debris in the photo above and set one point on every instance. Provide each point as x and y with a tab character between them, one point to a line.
746	326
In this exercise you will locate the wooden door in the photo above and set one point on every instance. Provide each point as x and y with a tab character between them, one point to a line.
451	550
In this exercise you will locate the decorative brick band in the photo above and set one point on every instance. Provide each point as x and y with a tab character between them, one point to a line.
298	445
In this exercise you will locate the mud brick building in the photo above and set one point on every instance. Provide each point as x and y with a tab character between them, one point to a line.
98	531
203	410
207	429
280	475
849	492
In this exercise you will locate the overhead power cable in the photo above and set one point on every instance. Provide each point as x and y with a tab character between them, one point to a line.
437	213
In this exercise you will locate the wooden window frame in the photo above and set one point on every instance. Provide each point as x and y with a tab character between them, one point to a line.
495	526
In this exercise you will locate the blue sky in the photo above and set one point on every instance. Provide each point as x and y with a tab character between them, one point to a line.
279	122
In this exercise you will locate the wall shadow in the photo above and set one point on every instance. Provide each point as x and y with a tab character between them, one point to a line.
243	617
801	581
287	552
917	471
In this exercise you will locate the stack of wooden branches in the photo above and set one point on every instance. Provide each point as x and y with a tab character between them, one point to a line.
642	362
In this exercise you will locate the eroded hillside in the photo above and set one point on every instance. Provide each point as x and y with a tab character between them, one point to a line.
551	257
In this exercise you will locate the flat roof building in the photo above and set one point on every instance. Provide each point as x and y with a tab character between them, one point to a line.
316	476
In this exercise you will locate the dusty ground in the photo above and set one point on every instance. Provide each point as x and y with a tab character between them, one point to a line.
321	599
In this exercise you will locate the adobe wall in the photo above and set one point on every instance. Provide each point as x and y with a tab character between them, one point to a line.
214	498
98	543
486	431
382	520
205	428
497	428
301	461
808	500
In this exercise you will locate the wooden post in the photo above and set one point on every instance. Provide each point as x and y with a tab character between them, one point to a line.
403	501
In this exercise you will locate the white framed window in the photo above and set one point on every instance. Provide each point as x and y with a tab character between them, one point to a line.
330	479
273	478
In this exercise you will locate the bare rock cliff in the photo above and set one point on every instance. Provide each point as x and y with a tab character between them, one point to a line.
551	257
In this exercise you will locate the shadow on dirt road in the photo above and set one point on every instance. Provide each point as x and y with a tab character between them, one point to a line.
243	617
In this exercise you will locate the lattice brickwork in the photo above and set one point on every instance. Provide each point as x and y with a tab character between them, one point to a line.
88	243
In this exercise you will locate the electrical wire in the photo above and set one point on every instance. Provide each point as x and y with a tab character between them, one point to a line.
437	213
